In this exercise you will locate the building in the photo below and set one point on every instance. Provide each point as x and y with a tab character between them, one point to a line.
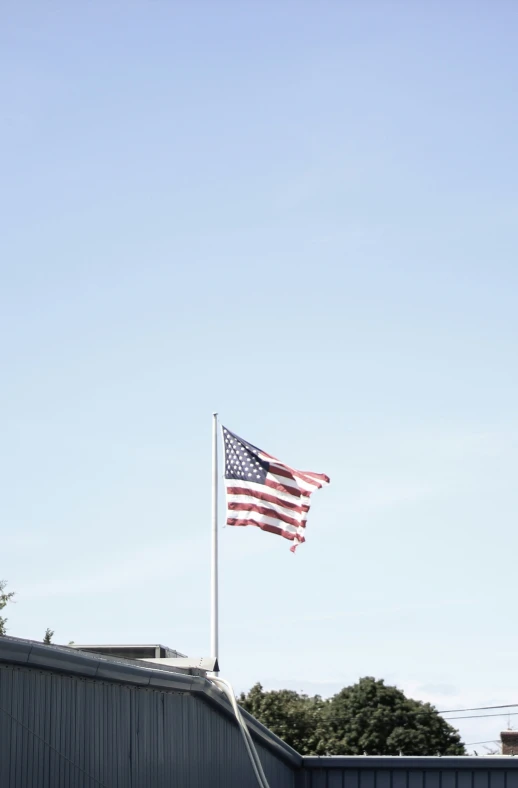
73	719
509	742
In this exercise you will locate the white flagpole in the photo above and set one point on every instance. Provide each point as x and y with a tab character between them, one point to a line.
214	624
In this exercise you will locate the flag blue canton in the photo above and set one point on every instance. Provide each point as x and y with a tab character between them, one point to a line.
242	460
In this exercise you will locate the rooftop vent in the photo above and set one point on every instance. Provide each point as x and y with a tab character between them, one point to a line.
162	656
156	651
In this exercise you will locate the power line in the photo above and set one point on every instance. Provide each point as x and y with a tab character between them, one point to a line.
478	708
482	716
422	712
487	741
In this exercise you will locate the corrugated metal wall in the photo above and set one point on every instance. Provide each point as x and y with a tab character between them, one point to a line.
65	731
415	773
59	731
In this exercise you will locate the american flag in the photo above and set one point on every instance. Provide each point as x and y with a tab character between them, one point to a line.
265	492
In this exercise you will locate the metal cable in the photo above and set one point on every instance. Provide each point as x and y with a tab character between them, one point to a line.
482	716
478	708
226	687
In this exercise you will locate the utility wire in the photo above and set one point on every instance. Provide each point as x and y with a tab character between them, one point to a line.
422	711
478	708
482	716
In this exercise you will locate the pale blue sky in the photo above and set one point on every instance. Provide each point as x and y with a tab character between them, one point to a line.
304	215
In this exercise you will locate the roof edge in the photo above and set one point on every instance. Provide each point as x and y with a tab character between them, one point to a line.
64	659
410	762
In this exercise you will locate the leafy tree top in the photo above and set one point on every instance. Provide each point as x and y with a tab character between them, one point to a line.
369	717
377	719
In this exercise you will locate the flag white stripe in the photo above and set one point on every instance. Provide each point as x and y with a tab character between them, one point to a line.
297	472
307	476
246	499
265	520
295	482
286	496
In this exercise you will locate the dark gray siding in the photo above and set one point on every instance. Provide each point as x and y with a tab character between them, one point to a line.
61	731
70	720
465	772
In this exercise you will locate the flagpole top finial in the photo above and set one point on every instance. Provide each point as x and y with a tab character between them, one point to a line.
215	413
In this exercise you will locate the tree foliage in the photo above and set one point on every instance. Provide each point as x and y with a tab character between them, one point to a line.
48	636
296	718
366	718
373	718
4	599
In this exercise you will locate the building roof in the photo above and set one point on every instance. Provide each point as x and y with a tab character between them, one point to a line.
63	659
68	660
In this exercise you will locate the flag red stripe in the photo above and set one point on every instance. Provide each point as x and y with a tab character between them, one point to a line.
308	476
272	529
280	470
268	498
273	513
284	488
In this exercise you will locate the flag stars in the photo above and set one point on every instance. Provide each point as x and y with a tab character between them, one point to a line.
242	461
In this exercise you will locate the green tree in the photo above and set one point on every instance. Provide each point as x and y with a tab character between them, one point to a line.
48	636
368	717
4	599
296	718
373	718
